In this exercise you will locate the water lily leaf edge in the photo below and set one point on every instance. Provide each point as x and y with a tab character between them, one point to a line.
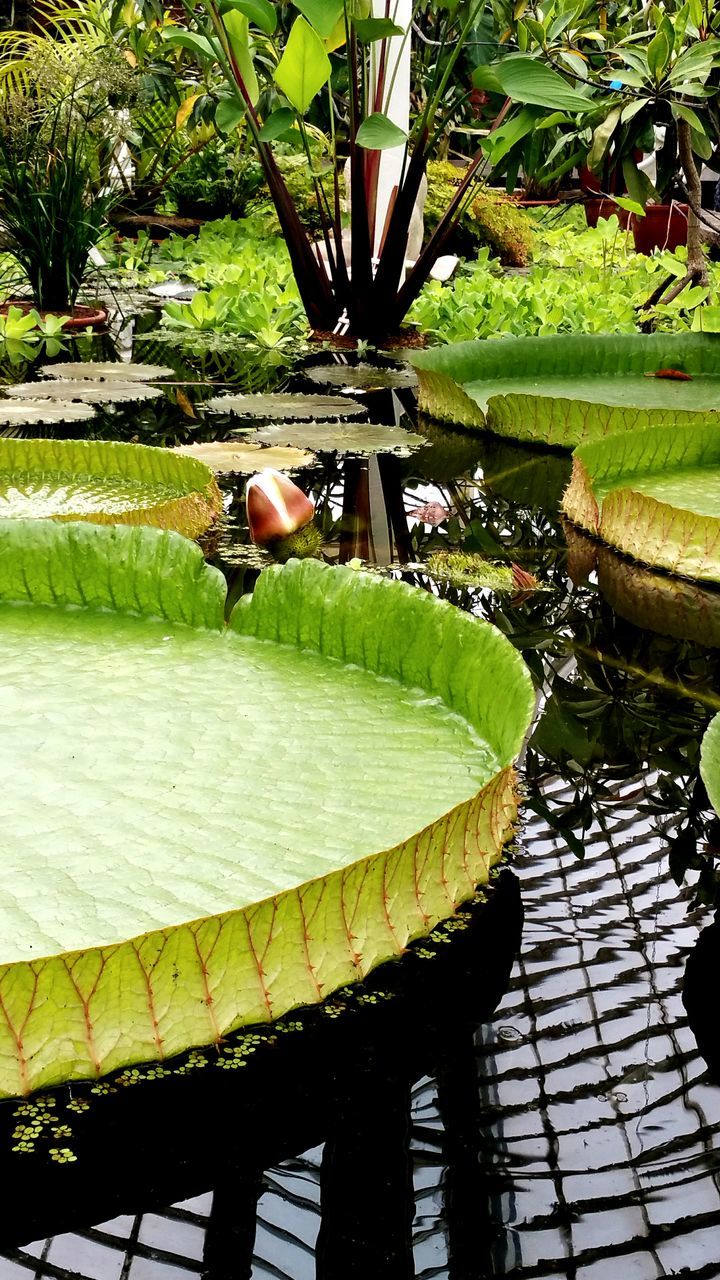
654	532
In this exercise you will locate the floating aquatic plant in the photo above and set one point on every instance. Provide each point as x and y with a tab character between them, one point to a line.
166	913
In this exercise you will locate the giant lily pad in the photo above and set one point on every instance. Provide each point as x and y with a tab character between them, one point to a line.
569	388
202	861
347	437
710	762
241	458
106	371
654	495
30	413
107	391
106	482
288	408
362	377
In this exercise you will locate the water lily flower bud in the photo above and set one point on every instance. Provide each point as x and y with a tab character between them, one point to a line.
276	507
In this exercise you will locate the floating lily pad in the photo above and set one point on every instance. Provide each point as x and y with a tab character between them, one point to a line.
348	437
200	861
106	371
30	413
106	482
654	495
244	459
56	390
363	377
569	388
710	762
288	407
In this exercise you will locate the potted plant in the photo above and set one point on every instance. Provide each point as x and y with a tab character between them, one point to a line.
354	277
54	191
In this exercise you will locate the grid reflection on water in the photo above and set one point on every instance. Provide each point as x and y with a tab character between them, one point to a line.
590	1148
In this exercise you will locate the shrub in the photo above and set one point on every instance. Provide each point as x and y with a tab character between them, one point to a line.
491	219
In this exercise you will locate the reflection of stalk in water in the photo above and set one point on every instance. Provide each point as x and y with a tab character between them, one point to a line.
705	697
374	523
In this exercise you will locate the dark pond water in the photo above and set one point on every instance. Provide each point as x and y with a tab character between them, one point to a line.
544	1105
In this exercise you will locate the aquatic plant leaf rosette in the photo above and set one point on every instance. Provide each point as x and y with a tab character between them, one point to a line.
570	388
106	482
221	845
654	495
710	762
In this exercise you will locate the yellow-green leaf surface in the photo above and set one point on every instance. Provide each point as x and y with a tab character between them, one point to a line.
654	495
570	388
106	482
204	827
710	762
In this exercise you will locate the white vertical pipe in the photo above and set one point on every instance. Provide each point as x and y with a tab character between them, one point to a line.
397	107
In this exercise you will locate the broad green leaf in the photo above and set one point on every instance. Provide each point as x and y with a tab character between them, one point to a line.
304	67
228	114
323	15
528	80
238	33
277	124
164	914
639	186
370	29
105	482
658	55
197	44
558	390
260	13
706	320
682	111
510	132
653	495
377	132
601	139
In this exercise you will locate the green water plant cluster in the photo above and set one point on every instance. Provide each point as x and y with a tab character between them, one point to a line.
582	281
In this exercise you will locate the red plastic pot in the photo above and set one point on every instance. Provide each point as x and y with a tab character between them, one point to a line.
663	227
81	316
597	207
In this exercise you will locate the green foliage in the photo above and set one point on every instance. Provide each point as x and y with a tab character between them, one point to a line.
489	219
585	280
251	291
215	181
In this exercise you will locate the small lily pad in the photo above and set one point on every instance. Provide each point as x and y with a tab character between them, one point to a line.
109	392
349	437
363	377
244	459
30	413
106	371
288	407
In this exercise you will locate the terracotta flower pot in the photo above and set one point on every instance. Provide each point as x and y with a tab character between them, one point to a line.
81	316
663	227
597	207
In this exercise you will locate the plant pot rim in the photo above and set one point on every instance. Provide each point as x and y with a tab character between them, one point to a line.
81	316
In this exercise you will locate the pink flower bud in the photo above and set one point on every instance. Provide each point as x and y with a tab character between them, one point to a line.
275	507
